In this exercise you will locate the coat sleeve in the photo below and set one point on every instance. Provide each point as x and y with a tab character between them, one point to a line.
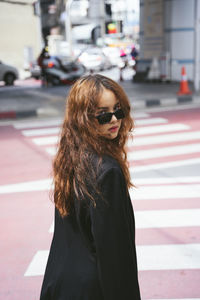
115	247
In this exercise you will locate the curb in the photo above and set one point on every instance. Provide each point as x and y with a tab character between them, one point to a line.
17	114
137	104
162	102
39	112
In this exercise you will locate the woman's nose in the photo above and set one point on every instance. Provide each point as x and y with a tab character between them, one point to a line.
113	119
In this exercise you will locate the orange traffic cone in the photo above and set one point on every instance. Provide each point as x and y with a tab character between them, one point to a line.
184	89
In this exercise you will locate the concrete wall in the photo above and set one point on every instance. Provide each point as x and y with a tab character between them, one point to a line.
19	28
178	36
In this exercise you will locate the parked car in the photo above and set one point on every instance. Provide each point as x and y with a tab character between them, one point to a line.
94	59
8	73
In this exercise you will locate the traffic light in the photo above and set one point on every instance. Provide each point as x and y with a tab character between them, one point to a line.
108	9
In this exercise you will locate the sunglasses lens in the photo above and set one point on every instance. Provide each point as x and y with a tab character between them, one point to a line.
119	114
104	118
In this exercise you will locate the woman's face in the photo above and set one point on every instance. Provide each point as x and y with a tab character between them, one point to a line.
108	103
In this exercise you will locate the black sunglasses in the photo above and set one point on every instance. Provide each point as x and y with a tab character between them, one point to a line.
105	118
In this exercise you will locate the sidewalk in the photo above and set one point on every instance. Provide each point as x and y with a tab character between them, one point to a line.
29	98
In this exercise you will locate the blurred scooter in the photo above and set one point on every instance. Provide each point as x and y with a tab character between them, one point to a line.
55	71
125	61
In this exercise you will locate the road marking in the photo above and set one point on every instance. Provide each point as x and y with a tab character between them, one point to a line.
155	257
38	264
51	150
167	138
151	121
51	140
165	192
145	130
160	128
47	184
163	152
168	257
171	164
29	186
37	123
163	218
138	154
167	218
51	229
140	115
42	131
162	180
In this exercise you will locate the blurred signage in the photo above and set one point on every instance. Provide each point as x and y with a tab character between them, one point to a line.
153	28
52	9
112	28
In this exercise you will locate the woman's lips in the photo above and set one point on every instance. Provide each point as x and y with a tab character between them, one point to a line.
113	129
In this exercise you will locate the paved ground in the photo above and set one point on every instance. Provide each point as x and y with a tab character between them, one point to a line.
164	164
28	98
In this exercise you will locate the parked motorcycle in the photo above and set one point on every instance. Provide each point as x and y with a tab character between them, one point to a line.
56	70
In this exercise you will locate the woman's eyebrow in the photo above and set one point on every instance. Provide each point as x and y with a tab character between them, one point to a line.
106	107
103	107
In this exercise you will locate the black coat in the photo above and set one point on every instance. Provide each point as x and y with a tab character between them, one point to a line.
92	255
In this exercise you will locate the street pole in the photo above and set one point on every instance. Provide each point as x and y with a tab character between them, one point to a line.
197	47
68	26
102	16
97	14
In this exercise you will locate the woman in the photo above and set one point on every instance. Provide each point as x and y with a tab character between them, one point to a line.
92	256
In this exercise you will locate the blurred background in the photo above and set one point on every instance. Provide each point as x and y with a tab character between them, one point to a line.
95	31
152	49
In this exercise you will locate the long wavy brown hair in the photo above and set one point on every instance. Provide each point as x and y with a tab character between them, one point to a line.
73	171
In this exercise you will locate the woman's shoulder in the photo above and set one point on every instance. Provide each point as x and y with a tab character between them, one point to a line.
105	164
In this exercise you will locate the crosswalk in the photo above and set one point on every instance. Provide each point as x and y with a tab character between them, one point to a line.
167	207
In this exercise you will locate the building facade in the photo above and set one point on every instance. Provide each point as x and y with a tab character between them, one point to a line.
20	36
169	31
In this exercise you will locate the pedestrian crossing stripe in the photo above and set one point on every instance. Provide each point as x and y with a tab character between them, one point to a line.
163	218
41	131
38	123
160	128
154	257
167	218
150	121
140	193
163	152
166	180
137	130
171	164
138	155
51	140
165	192
167	138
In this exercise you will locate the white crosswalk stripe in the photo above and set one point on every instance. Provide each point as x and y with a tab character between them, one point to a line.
159	141
160	128
172	164
151	121
167	138
164	191
46	140
43	131
167	218
156	257
161	152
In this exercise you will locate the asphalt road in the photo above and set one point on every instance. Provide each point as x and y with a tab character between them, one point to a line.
164	162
